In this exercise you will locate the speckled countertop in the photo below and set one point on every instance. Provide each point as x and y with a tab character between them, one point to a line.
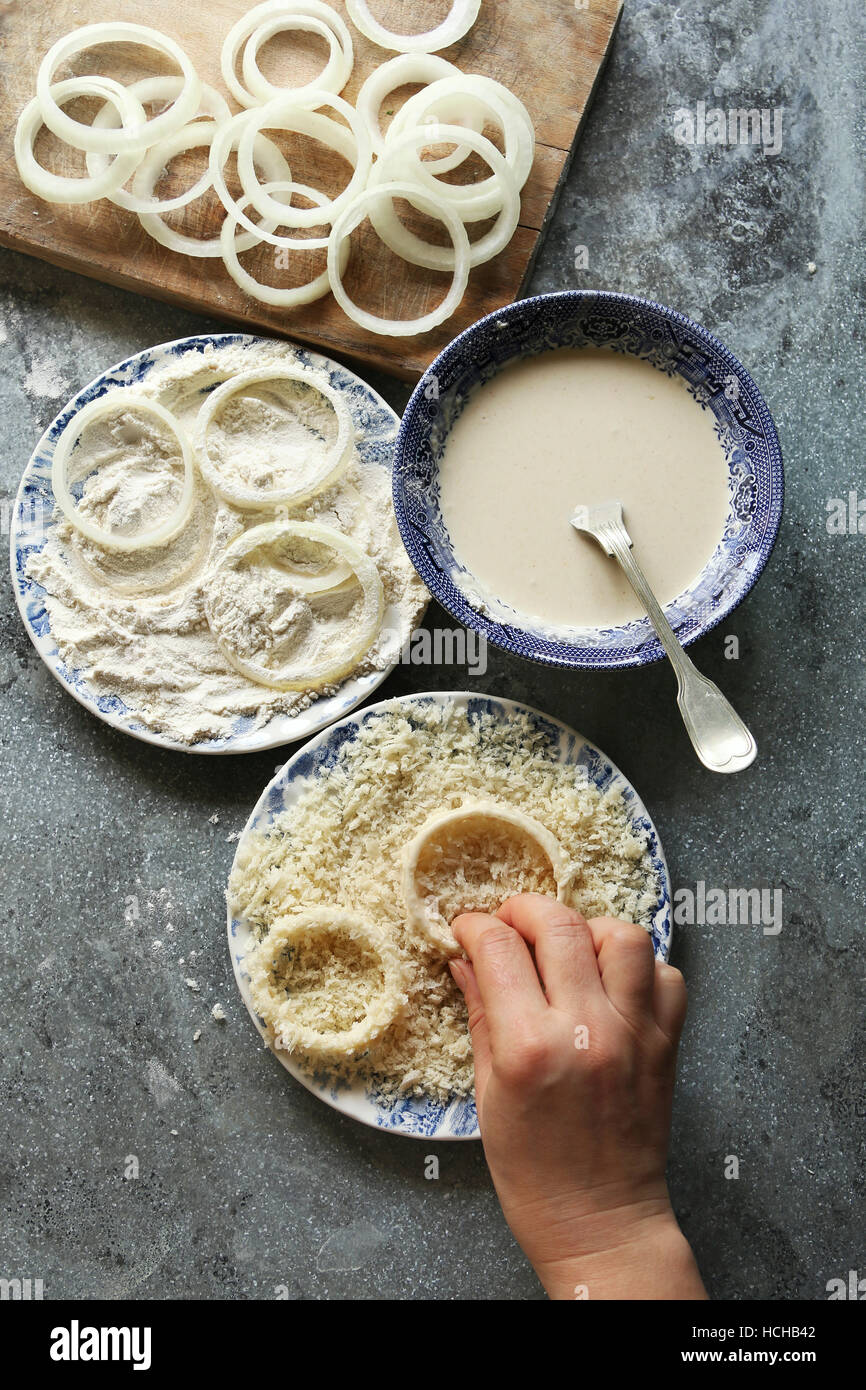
247	1185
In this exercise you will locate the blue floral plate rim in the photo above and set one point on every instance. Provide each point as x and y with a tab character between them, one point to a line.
408	1116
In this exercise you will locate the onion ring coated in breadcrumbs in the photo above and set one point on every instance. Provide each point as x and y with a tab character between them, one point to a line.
282	1011
480	817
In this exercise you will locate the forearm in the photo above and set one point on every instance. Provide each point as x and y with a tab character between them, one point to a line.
650	1259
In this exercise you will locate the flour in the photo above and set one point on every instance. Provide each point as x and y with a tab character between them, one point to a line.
134	623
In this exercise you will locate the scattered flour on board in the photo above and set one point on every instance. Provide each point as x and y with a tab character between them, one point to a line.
134	622
341	844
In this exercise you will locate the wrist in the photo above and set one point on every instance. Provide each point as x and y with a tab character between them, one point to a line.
641	1254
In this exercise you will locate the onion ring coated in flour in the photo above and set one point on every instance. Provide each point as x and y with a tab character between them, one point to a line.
255	499
328	669
113	403
86	137
456	24
425	914
275	1007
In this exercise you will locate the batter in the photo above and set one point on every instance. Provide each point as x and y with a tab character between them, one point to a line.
581	426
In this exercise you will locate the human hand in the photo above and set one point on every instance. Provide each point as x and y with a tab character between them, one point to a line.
575	1030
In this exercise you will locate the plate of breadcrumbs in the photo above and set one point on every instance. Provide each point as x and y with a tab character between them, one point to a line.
371	840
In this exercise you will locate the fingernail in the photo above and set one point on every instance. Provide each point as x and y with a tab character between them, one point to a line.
457	971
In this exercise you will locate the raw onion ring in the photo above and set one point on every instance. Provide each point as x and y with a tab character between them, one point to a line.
160	89
352	217
428	918
399	72
332	78
298	113
58	188
330	669
190	137
271	294
245	26
225	139
457	23
491	98
415	249
85	137
110	404
274	1006
248	498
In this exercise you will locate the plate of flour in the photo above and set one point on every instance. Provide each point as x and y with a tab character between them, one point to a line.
329	837
127	632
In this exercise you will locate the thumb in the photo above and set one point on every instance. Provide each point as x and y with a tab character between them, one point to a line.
464	977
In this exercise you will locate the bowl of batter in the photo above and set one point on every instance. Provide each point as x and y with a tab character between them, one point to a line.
579	398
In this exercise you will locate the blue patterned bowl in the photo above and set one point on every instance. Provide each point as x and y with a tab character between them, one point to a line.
425	1118
673	344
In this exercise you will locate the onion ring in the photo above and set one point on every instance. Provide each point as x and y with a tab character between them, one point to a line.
245	26
271	294
457	23
190	137
56	188
331	79
160	89
493	99
110	404
399	72
352	217
298	113
274	1006
85	137
427	917
224	140
424	253
328	669
249	498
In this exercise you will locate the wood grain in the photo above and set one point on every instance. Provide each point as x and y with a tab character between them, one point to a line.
550	52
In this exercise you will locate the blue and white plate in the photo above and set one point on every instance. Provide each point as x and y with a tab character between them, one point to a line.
674	345
426	1118
32	522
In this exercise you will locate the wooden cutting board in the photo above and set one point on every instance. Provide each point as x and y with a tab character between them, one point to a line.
549	52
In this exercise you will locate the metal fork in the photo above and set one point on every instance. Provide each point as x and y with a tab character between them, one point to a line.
718	734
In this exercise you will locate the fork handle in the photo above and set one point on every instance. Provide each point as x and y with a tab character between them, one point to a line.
718	734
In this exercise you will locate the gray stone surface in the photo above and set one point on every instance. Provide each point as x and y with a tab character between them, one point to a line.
246	1182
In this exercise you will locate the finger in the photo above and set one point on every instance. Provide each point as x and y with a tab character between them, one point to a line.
565	952
514	1003
464	977
670	1000
627	966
